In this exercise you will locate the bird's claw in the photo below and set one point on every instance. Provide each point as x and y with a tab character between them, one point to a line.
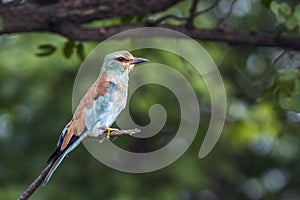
108	132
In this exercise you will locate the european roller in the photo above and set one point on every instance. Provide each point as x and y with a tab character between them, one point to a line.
99	107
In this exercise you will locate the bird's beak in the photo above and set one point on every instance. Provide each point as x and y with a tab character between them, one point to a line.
138	60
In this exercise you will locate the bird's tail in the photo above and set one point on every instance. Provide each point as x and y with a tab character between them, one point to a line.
55	162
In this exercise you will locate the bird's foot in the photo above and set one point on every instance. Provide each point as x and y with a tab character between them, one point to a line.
108	132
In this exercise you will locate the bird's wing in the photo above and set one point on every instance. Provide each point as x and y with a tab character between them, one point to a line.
75	131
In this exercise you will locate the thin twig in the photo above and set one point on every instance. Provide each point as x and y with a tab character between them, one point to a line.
125	132
269	72
278	57
38	181
35	184
205	10
223	19
171	16
163	18
193	9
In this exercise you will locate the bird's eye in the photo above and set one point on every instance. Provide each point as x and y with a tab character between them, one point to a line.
121	59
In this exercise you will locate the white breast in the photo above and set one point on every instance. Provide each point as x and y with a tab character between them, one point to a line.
95	121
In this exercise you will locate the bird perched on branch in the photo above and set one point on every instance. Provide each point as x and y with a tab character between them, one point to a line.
99	107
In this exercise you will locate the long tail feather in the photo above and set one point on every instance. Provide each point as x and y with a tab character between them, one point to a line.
57	161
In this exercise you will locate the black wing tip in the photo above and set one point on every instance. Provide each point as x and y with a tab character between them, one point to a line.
53	157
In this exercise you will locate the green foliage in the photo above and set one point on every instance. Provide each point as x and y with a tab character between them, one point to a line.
286	15
257	121
286	91
46	50
134	19
69	48
289	91
80	51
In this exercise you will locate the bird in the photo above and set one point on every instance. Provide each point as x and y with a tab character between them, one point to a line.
98	108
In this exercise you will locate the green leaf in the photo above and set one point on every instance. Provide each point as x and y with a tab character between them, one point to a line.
287	83
140	18
272	89
285	9
281	18
69	48
126	20
80	51
266	3
274	7
297	13
291	103
291	23
46	50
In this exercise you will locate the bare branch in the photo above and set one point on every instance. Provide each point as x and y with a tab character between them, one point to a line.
171	16
125	132
35	184
163	18
30	16
217	35
38	181
65	18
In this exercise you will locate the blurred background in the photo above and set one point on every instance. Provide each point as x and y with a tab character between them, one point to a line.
256	157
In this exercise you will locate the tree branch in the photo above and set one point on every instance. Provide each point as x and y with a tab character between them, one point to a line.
38	181
31	16
35	184
125	132
219	35
66	18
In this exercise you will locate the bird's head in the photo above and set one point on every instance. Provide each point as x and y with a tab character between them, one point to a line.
121	61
